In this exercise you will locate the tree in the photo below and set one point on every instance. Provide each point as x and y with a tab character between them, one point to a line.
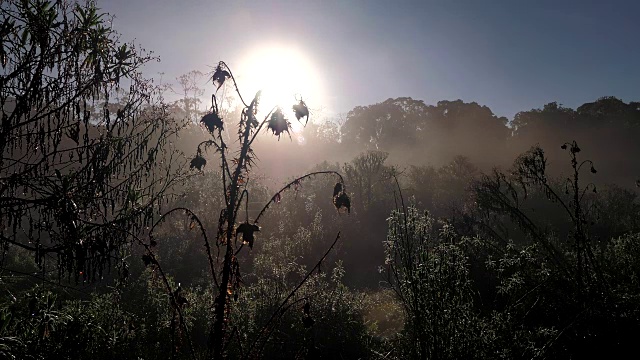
572	272
384	125
456	128
83	139
607	128
426	132
365	172
191	92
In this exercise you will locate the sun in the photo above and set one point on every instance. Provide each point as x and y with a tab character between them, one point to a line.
285	75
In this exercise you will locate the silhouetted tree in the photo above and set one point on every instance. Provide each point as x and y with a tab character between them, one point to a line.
83	139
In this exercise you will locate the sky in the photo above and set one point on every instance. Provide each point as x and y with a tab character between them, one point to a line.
511	55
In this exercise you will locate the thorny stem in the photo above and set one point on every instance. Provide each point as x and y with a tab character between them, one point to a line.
165	281
234	83
233	202
246	203
219	332
274	198
195	218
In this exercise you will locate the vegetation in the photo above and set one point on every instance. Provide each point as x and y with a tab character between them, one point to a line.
419	231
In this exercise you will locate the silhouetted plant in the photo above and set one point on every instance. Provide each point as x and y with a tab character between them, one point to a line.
571	276
235	173
84	138
504	193
429	274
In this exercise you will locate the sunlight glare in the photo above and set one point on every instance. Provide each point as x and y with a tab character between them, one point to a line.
284	75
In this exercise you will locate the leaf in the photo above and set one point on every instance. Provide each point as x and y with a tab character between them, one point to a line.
307	320
74	134
25	35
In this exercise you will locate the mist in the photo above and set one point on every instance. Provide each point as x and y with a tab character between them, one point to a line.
348	180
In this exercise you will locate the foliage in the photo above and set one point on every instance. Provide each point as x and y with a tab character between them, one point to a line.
430	277
527	264
568	284
235	174
323	318
84	139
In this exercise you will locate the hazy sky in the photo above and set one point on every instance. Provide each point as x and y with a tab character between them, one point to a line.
510	55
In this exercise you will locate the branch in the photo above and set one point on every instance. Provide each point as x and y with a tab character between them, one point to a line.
275	197
202	230
280	308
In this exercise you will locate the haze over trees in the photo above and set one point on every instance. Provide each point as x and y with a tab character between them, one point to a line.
134	226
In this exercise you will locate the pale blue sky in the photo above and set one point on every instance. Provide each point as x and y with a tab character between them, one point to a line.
510	55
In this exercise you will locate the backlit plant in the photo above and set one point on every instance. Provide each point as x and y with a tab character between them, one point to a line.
232	234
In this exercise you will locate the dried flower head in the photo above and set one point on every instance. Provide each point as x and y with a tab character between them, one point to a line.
247	230
278	123
219	76
337	189
212	122
301	110
342	200
198	162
